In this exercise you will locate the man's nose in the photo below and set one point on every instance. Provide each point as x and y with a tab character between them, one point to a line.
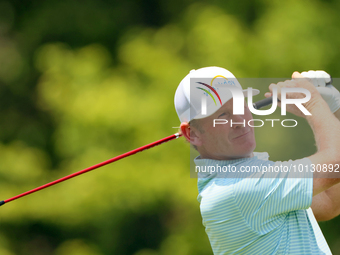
238	121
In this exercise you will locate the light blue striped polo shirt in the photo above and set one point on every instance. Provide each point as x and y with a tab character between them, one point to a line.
250	213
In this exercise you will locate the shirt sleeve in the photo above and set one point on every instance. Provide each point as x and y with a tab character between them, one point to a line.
266	198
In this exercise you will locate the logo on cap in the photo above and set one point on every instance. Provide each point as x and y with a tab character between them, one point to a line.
211	88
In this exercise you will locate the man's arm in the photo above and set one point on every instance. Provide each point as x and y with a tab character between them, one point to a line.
325	127
326	205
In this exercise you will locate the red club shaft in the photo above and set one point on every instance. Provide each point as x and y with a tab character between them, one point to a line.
148	146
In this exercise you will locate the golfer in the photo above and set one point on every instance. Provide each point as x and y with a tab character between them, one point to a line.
275	209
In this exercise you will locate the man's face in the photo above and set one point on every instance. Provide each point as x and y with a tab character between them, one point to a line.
224	141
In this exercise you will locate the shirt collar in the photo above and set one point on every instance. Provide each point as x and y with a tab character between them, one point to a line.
208	162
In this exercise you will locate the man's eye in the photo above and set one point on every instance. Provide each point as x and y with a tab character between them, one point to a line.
223	115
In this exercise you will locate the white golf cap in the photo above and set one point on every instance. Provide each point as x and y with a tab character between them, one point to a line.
203	91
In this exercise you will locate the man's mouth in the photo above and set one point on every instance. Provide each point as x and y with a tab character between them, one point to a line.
242	135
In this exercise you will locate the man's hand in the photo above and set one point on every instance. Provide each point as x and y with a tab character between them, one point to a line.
322	81
298	81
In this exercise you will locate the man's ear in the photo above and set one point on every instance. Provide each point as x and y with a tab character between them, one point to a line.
191	134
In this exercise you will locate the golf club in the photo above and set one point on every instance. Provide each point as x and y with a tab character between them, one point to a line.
148	146
257	105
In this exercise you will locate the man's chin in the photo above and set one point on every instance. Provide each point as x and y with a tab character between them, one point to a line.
247	152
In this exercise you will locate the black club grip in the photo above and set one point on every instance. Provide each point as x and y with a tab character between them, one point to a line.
263	103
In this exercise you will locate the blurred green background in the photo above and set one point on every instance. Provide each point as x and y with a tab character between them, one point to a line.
84	81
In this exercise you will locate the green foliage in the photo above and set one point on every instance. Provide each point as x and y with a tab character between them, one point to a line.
75	92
